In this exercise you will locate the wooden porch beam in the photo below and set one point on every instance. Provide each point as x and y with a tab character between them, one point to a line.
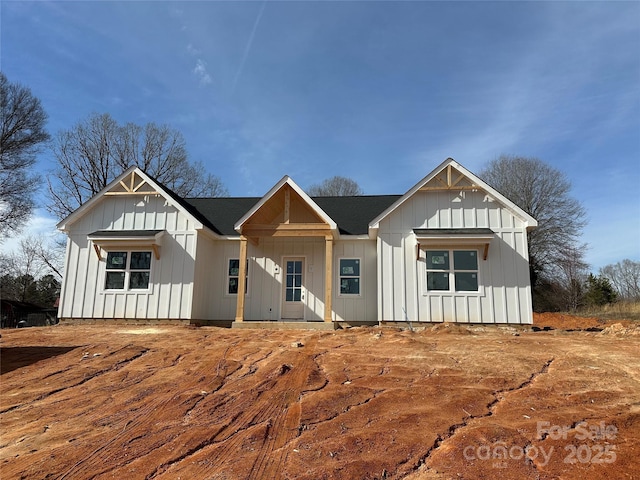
286	226
287	205
287	230
242	274
328	278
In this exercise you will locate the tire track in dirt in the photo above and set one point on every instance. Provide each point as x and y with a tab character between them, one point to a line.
140	424
268	426
499	396
136	353
285	426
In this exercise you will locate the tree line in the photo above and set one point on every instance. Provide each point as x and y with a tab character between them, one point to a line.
90	154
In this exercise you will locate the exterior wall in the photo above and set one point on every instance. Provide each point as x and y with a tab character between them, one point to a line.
210	298
264	293
505	293
172	276
361	308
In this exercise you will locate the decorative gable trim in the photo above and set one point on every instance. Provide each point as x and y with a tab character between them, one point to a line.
289	186
450	175
132	182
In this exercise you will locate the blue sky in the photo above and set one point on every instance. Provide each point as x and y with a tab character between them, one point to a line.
380	92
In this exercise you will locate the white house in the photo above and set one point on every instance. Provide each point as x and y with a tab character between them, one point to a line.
451	249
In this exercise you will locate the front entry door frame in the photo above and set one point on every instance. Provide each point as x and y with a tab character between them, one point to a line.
293	288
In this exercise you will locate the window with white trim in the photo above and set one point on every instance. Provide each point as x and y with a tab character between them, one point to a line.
349	276
452	270
233	274
127	270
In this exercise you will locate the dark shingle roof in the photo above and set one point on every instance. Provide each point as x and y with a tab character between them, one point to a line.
220	214
352	214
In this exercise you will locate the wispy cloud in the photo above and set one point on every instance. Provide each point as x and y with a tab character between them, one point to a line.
193	51
248	46
200	71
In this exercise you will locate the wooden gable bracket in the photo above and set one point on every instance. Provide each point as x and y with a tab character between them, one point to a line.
131	187
96	248
447	182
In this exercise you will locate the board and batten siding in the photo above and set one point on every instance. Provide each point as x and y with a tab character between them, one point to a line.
504	293
171	278
362	307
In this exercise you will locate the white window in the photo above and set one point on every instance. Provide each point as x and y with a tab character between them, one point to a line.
130	270
233	274
452	270
349	276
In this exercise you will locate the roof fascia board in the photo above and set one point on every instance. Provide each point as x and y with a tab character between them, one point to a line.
286	180
85	207
529	221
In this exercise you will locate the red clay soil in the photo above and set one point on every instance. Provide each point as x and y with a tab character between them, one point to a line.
564	321
167	402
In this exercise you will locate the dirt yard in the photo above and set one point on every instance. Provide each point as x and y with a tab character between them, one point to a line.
448	402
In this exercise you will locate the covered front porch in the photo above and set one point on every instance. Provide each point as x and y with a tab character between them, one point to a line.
286	259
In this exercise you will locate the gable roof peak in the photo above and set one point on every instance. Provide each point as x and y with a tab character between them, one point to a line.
451	183
286	180
132	181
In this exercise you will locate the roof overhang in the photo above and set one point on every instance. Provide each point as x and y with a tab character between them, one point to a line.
127	238
454	237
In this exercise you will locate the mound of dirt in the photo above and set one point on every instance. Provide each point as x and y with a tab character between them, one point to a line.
563	321
621	330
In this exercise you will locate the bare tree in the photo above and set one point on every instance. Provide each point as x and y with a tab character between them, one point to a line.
573	274
335	187
625	277
22	133
544	193
98	149
32	272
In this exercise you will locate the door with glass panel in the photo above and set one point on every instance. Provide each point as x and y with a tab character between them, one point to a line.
293	289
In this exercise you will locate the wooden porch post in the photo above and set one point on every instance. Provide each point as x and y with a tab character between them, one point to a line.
328	278
242	275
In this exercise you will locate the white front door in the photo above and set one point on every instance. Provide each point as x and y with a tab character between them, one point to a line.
293	289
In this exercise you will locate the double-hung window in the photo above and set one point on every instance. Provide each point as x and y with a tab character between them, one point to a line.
452	270
349	276
130	270
233	275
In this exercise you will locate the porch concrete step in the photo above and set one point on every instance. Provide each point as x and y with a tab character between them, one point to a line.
269	325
